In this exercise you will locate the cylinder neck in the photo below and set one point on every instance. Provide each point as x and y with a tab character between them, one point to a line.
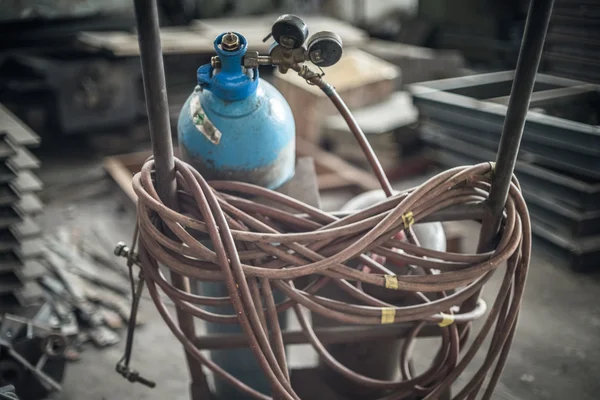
230	82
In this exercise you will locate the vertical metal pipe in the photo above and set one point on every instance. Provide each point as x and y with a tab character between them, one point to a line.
532	45
155	89
530	54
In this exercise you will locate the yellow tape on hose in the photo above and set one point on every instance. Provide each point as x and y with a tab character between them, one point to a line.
408	219
447	319
391	282
492	171
388	315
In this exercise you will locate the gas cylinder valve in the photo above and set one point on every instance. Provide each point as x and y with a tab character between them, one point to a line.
289	31
290	48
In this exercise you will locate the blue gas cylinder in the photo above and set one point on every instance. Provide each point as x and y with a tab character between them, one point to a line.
235	126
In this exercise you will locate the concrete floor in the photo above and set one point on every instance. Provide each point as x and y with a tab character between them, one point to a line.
555	355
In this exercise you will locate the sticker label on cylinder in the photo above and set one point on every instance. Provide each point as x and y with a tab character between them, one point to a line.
201	121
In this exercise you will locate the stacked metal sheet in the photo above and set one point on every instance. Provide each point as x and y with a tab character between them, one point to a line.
20	247
559	160
573	42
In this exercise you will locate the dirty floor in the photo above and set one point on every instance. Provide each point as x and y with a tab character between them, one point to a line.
555	355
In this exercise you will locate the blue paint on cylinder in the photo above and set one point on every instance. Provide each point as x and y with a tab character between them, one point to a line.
235	126
255	123
241	362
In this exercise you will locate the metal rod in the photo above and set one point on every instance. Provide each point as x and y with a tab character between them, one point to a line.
155	89
530	54
157	107
326	335
538	18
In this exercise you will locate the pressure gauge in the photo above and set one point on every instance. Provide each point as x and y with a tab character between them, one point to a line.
325	48
289	31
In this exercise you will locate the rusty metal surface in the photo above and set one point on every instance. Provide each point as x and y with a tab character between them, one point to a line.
23	159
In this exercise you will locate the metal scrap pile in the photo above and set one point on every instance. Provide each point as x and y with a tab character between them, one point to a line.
87	287
32	361
19	208
86	300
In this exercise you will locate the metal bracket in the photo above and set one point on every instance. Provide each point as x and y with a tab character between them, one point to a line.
53	345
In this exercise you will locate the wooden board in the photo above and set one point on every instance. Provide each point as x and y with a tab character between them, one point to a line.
332	171
198	38
360	78
125	44
255	29
388	126
418	64
121	168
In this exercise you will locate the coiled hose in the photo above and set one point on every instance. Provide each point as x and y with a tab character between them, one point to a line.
257	247
8	396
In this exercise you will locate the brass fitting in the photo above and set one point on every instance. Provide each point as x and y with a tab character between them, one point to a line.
230	42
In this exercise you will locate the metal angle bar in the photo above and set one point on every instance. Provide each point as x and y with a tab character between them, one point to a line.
474	103
575	225
7	175
6	150
538	98
26	182
561	190
477	86
558	132
563	159
16	130
46	380
543	206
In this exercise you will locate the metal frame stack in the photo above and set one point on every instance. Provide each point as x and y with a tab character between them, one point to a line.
559	160
20	247
573	44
